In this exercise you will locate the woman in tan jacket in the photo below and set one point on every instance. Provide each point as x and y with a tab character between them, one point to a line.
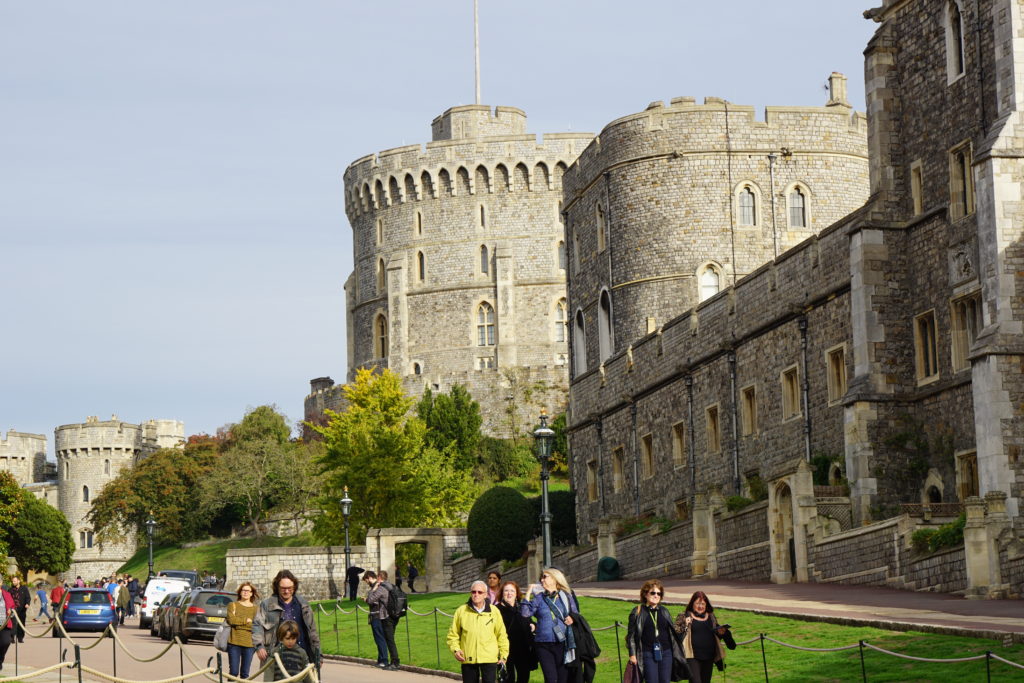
702	636
241	612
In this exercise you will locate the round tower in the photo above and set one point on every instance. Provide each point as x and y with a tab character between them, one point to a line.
459	260
670	206
88	456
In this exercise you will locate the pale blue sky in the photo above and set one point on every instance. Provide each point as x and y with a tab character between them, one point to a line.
173	241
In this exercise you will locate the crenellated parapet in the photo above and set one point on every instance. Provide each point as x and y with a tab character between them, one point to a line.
23	455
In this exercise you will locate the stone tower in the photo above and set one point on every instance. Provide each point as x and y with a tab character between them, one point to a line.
24	456
88	456
669	206
460	262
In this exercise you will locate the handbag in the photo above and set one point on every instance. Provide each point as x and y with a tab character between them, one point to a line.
632	674
502	674
220	638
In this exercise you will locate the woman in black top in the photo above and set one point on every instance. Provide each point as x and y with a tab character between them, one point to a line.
521	657
701	638
649	635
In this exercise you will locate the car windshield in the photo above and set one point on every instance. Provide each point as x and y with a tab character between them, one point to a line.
218	600
98	597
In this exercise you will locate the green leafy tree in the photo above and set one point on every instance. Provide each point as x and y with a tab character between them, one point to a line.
453	420
560	446
11	502
381	452
500	524
41	537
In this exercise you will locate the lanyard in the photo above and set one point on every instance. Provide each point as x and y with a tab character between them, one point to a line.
653	621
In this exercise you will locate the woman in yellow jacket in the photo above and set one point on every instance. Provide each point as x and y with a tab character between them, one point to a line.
477	637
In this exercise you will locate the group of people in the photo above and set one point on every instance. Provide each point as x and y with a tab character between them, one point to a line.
353	573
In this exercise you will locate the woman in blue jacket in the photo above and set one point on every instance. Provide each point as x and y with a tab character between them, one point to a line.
552	604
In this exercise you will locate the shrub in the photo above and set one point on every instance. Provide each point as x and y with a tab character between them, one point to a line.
946	536
921	540
758	488
502	460
563	517
734	503
500	524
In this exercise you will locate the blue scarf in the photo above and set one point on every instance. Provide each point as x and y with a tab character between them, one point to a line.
563	634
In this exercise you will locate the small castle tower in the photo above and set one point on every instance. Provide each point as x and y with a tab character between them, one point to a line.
24	456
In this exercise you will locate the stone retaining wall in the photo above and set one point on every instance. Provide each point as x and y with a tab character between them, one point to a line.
320	570
868	555
943	572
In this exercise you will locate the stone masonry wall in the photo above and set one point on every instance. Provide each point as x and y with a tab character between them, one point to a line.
320	571
944	572
653	553
869	555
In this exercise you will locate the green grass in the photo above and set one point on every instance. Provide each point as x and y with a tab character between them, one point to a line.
210	557
530	485
418	645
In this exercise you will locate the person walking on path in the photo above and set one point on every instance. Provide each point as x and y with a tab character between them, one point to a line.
285	604
701	638
412	573
43	606
551	602
477	637
122	600
378	618
352	577
133	592
521	656
241	614
22	598
650	634
56	595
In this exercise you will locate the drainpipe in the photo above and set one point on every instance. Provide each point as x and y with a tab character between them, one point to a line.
771	179
735	431
636	461
805	387
600	466
688	381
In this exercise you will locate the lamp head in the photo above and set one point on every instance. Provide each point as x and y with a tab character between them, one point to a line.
544	438
346	504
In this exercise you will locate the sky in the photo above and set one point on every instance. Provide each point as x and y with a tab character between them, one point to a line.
173	241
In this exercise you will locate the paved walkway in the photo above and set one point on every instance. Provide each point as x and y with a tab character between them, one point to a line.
884	607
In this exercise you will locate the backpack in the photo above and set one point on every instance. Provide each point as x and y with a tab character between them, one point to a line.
398	603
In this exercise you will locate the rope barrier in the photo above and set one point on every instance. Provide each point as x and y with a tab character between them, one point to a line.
117	639
975	658
747	642
1006	661
116	679
810	649
40	672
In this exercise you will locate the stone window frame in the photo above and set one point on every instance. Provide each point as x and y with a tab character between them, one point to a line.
679	444
85	538
605	325
967	480
713	428
926	347
380	232
421	266
601	227
381	335
592	481
106	466
805	192
561	317
85	494
917	187
618	469
748	410
967	318
756	194
416	368
789	381
561	257
382	277
955	43
484	325
647	468
575	251
481	216
485	260
961	180
486	363
706	267
417	224
681	508
837	377
579	342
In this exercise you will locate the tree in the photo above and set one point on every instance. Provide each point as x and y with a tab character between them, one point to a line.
11	502
453	419
381	452
41	537
500	524
560	446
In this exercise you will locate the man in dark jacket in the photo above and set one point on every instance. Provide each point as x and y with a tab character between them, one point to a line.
412	573
352	576
285	604
133	592
22	598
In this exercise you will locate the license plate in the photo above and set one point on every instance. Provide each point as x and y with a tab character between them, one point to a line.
215	620
88	611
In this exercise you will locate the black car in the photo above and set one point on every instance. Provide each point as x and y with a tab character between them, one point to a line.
201	613
169	609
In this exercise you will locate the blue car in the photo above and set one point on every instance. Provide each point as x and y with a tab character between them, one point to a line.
86	609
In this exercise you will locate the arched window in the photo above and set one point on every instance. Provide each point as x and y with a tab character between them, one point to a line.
380	230
954	40
85	494
380	337
417	369
561	255
561	321
419	224
709	282
483	217
67	469
599	220
382	277
485	325
797	208
747	203
421	266
106	467
605	340
579	345
485	260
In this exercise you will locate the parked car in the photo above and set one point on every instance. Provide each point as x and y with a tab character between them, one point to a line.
154	623
153	595
201	612
86	609
169	616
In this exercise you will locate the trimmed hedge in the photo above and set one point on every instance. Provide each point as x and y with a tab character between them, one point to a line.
500	524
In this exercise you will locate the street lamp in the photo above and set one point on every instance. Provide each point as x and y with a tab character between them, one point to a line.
346	509
544	439
150	525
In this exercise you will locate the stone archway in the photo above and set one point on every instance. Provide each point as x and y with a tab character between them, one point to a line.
381	543
783	538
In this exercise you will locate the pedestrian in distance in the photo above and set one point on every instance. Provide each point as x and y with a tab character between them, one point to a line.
240	617
522	659
293	657
477	637
122	601
702	638
494	586
56	596
650	635
352	577
380	620
411	572
552	602
43	603
133	593
22	598
285	604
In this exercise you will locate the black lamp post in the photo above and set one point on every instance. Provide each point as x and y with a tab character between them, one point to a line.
346	509
544	439
150	525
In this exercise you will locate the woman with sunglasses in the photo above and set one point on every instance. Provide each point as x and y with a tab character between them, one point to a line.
477	637
650	633
552	603
701	638
521	657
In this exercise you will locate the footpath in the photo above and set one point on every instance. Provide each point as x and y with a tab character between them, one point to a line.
854	605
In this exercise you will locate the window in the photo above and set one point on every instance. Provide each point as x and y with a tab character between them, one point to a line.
421	266
592	481
714	429
561	321
382	277
618	469
67	469
748	411
647	456
561	255
835	360
485	325
747	203
790	393
419	224
417	369
967	474
575	252
682	510
709	282
917	187
967	323
961	185
485	363
579	345
106	467
380	231
485	261
679	443
85	494
925	346
380	339
84	539
599	221
604	330
797	208
483	217
954	41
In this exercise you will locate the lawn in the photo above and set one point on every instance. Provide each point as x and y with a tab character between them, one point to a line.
210	557
421	642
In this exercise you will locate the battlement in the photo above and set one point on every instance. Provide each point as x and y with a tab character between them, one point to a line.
477	121
116	434
23	455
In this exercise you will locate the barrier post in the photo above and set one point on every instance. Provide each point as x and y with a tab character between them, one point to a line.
988	666
337	644
863	671
437	641
355	613
618	648
764	659
408	640
78	662
60	657
181	655
220	668
113	648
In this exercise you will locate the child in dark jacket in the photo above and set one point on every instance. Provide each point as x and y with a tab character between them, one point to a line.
292	656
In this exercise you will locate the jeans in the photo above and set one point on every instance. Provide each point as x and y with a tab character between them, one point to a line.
43	609
239	660
479	673
658	672
377	626
551	656
389	639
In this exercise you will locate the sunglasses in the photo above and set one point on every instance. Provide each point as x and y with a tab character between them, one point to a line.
654	592
477	592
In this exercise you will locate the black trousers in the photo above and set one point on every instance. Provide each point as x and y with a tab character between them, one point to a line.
389	638
701	670
353	588
550	656
19	631
479	673
518	667
6	638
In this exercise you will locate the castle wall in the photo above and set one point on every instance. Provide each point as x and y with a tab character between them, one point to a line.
24	456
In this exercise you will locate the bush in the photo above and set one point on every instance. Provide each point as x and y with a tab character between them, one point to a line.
563	517
921	540
500	525
946	536
501	460
734	503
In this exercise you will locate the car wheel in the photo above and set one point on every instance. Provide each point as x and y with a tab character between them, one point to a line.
143	624
183	638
